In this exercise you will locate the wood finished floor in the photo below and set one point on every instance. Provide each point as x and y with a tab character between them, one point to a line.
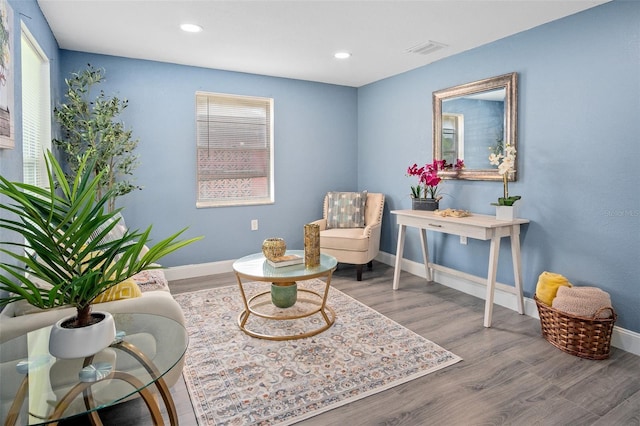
509	374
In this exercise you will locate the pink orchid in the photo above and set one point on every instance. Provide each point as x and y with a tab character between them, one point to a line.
428	179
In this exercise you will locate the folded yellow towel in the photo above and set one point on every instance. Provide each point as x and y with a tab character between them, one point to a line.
548	284
583	302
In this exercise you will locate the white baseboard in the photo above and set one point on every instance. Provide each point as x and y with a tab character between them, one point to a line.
198	270
621	338
624	339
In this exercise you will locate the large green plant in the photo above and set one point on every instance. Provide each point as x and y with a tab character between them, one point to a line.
57	227
91	124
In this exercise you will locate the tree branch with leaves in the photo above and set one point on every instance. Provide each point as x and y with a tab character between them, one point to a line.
90	124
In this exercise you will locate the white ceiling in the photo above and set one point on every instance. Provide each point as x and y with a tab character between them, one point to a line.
296	39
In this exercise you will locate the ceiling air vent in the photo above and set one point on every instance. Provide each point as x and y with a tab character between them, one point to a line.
426	48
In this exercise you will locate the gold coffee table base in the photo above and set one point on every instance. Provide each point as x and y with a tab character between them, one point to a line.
328	314
85	389
309	301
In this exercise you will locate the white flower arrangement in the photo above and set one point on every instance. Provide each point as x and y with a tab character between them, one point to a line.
506	165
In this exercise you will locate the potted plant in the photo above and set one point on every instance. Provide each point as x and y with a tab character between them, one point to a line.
65	245
90	124
425	195
506	165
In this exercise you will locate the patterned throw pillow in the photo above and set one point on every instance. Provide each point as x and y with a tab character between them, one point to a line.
116	232
150	280
127	289
346	209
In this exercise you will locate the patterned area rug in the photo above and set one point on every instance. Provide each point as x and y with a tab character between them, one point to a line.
235	379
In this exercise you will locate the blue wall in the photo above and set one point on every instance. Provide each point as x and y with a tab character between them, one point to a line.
579	109
578	126
315	151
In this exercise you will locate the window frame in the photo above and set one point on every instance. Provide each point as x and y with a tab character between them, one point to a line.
456	133
42	118
256	101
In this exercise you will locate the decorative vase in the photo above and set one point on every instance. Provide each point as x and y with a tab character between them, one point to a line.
273	247
70	343
284	295
311	245
506	212
429	204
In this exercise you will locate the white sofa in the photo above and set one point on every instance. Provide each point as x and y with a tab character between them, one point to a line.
18	318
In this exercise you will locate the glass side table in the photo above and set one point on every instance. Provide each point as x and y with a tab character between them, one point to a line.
37	388
255	267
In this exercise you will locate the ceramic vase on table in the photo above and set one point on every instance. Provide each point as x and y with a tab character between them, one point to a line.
284	295
429	204
506	212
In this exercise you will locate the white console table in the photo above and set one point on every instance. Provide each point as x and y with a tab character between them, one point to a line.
477	226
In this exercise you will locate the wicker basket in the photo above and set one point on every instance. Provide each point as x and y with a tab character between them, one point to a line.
584	337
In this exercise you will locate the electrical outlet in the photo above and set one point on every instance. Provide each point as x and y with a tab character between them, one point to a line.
463	239
254	224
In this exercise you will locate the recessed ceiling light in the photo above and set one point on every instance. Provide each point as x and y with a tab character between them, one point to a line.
191	28
342	55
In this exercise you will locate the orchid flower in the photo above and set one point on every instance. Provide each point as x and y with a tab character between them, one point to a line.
506	164
428	178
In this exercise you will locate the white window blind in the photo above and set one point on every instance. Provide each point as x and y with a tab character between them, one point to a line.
234	149
36	106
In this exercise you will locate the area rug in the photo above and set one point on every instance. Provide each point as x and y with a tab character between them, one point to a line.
235	379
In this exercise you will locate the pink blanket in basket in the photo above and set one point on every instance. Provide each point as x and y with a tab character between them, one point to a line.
583	302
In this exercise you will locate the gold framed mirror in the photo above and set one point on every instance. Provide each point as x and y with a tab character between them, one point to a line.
473	120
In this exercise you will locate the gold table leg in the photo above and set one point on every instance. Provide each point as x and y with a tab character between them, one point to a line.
85	388
14	410
133	381
89	402
163	389
327	312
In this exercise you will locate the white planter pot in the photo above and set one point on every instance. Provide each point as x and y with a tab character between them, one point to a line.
506	212
69	343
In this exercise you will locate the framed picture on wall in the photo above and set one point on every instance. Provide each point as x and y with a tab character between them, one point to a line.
7	57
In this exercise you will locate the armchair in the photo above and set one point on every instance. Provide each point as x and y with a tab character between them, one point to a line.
356	242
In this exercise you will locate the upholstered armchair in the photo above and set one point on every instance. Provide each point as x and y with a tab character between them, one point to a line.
350	227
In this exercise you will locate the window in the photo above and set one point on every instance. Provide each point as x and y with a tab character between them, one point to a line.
452	137
234	150
36	106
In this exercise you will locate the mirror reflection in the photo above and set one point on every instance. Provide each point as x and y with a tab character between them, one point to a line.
473	120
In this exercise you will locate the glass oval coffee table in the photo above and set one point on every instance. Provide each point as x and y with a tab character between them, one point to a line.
37	388
307	301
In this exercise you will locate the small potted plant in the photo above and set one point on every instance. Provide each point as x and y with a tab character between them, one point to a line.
425	195
63	232
506	165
